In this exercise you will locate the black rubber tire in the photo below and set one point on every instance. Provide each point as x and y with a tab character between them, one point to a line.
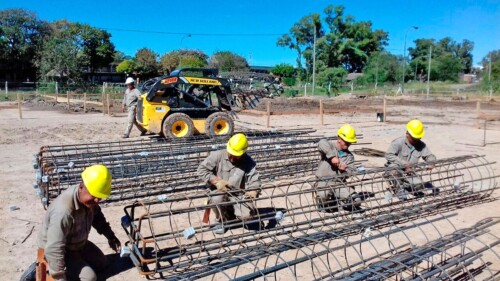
30	273
178	125
219	124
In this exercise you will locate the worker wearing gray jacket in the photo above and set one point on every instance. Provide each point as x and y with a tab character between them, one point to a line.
401	155
231	169
63	237
130	102
336	163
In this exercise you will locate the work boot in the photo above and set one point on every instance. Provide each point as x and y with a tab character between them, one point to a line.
125	136
143	133
418	194
218	229
402	194
256	225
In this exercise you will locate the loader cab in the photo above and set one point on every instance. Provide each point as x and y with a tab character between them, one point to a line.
181	104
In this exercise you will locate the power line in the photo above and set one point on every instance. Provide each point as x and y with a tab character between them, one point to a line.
197	34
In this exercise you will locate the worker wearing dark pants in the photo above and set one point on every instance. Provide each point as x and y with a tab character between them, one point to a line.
232	176
63	237
401	155
336	162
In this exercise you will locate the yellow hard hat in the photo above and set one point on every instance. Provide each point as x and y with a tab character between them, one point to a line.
347	133
97	179
237	145
415	129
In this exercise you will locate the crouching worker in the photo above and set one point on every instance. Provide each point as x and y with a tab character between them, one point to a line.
65	229
231	169
401	155
335	165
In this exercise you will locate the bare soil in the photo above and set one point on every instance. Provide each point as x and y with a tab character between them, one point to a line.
451	130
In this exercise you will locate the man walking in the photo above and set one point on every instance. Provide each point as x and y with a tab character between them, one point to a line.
130	102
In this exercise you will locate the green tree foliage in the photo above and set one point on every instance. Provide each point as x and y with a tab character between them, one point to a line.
494	80
341	41
333	76
58	60
381	67
21	38
146	63
94	45
284	69
449	59
228	61
126	66
190	58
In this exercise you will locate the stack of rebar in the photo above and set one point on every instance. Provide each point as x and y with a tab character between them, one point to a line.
149	168
291	234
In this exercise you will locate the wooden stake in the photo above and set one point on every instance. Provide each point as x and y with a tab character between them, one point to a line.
478	112
85	102
268	118
384	110
109	106
67	96
102	98
321	112
19	106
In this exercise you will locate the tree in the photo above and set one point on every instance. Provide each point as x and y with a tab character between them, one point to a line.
94	47
58	61
346	44
228	61
381	67
21	38
333	76
494	84
449	58
146	63
190	58
126	66
284	69
301	36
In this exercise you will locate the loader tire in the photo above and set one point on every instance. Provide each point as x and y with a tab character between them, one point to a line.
219	124
30	273
178	125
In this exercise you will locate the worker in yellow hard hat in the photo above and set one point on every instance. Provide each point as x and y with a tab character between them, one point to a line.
63	237
231	175
336	163
402	154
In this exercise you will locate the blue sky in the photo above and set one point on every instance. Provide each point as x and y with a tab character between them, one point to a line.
478	21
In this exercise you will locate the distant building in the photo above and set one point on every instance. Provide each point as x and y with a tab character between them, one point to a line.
468	78
261	69
353	76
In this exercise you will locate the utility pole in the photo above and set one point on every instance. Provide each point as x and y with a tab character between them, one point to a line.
404	59
314	61
429	71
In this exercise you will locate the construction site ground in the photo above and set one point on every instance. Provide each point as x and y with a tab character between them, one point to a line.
451	130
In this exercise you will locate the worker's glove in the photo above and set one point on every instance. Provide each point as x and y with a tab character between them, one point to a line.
251	194
222	185
115	244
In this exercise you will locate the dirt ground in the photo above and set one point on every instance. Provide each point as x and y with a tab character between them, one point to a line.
450	131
